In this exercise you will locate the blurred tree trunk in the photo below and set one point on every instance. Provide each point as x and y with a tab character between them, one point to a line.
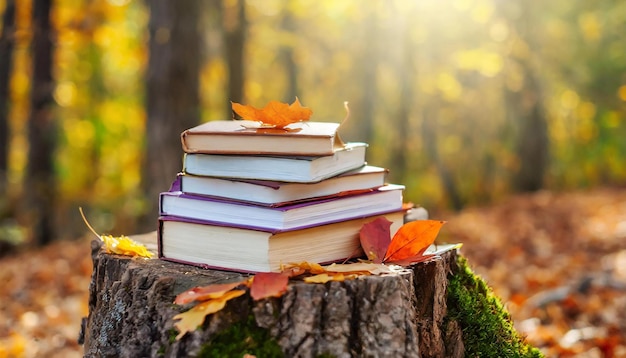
172	94
7	40
430	140
40	178
524	105
288	25
235	28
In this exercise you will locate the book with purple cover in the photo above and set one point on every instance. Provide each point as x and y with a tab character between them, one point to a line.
275	193
385	199
248	249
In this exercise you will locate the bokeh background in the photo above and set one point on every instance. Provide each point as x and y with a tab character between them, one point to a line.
469	103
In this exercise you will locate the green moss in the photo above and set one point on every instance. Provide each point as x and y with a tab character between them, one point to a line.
241	338
172	333
487	326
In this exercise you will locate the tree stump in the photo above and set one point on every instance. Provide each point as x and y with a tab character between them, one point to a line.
405	315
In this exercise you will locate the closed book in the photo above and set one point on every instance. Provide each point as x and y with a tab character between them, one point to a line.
302	169
245	249
247	137
276	193
385	199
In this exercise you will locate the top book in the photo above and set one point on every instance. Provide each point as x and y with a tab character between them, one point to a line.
248	137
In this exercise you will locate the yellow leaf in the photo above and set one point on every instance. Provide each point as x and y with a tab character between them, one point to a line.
192	319
123	245
324	277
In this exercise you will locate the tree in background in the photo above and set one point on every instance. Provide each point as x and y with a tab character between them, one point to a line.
172	93
40	175
7	36
234	28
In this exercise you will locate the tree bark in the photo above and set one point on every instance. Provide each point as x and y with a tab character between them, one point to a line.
40	176
172	94
131	312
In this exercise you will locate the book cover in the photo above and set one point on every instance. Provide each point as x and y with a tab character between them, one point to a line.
387	198
247	137
242	248
276	193
302	169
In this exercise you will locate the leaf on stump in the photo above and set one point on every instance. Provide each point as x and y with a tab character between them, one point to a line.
375	237
204	293
193	318
123	245
268	284
274	114
412	239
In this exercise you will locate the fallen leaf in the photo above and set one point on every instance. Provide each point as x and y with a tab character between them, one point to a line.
268	284
123	245
375	237
363	268
325	277
412	239
274	114
190	320
205	292
313	268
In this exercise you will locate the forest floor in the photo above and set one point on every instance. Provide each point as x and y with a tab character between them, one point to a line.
557	261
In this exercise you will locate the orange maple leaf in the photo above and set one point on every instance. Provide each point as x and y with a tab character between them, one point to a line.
411	240
275	114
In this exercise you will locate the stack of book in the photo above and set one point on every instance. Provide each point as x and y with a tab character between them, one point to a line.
251	199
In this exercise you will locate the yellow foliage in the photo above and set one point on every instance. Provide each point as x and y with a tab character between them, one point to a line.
193	318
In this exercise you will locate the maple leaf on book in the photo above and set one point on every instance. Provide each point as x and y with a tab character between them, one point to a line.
275	114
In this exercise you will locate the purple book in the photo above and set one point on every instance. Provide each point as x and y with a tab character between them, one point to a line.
385	199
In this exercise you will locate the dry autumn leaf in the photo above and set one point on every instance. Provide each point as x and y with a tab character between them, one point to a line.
205	292
325	277
274	114
120	245
268	284
193	318
375	237
412	239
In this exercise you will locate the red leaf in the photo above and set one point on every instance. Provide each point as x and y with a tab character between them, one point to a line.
268	284
375	238
205	292
412	239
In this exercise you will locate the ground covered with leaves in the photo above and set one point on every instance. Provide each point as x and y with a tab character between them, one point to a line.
558	261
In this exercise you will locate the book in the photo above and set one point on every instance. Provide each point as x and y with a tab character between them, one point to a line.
275	193
213	245
302	169
247	137
385	199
